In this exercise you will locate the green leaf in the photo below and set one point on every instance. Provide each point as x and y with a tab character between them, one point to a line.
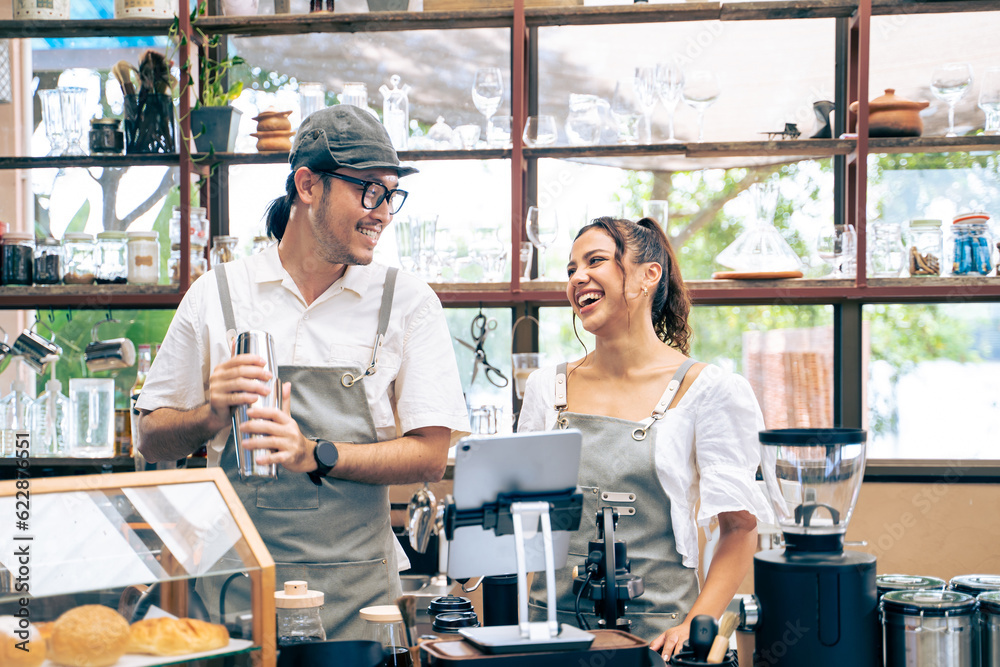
79	221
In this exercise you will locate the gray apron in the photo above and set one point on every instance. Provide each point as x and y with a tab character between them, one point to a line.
336	536
618	457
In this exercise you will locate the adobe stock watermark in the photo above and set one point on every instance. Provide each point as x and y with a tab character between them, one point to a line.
770	655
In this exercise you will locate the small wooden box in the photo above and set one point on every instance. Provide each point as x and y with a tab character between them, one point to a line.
461	5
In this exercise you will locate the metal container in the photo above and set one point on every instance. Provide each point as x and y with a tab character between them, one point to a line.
989	627
261	344
974	584
929	629
907	582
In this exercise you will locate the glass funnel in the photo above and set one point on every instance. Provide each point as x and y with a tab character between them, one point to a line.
761	247
813	476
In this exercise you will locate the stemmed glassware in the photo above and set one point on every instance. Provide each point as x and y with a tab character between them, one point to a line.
487	92
73	102
645	94
542	227
701	89
626	111
670	86
52	117
950	83
989	100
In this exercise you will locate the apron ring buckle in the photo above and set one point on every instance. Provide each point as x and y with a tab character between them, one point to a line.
639	434
348	380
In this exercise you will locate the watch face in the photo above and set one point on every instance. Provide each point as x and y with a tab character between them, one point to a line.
326	453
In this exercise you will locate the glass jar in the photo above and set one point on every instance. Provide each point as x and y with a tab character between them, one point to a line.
297	609
384	624
197	225
224	249
260	243
48	261
18	258
105	136
926	248
885	250
199	265
971	245
78	255
143	258
112	258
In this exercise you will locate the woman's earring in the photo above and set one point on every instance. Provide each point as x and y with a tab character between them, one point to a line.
645	291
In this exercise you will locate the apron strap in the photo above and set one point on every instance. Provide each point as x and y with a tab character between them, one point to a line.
560	401
227	303
665	400
388	289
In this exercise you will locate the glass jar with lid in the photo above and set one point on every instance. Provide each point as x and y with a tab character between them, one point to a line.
18	258
297	609
224	249
971	246
384	624
885	249
78	256
143	258
199	265
112	258
926	247
48	261
197	225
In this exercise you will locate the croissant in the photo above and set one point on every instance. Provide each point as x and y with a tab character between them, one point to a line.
175	636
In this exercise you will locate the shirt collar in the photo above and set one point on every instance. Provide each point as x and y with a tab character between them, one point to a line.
266	267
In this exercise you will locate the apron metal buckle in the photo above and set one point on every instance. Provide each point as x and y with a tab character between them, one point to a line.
348	380
639	434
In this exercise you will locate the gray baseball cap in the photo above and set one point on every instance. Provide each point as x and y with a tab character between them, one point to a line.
344	136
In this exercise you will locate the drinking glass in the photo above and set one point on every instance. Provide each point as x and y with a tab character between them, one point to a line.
670	86
645	93
836	245
525	259
542	227
524	363
657	209
312	98
950	83
701	89
487	92
469	134
540	131
989	99
73	101
52	117
498	132
405	242
626	111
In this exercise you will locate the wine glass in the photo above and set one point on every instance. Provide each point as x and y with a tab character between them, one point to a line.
626	111
989	100
670	86
542	227
52	118
645	94
950	83
73	100
487	92
701	89
540	131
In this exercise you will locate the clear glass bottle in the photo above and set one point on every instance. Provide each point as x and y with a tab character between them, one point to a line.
396	112
224	249
48	261
18	258
197	225
297	609
92	417
78	255
384	624
143	258
885	249
48	419
971	249
14	407
198	263
112	258
926	247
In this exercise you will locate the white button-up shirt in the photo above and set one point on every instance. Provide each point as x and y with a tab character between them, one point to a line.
416	383
706	450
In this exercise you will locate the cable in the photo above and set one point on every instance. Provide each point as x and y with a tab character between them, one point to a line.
579	616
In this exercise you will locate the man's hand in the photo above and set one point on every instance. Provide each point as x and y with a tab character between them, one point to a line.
238	381
671	641
282	442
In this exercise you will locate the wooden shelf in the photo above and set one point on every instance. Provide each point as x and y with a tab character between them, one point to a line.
404	156
934	144
85	28
66	161
89	297
886	7
294	24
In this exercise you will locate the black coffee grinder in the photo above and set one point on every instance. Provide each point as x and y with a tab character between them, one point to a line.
814	604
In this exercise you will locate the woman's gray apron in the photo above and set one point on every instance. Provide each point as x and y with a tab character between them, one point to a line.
618	457
337	535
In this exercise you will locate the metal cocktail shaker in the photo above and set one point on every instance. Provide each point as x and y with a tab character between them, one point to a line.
261	344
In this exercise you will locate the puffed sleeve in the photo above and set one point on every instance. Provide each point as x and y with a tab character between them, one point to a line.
537	403
727	450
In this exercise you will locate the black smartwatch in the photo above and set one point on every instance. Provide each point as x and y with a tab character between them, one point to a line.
326	456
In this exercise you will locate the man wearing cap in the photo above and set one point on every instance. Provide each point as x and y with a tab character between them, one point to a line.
370	387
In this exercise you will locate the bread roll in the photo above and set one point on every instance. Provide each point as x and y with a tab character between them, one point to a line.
89	636
175	636
10	654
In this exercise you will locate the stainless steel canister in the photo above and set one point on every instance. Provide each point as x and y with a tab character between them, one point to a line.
261	344
989	627
974	584
886	583
929	629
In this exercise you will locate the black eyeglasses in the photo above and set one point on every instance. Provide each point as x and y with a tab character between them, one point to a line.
375	193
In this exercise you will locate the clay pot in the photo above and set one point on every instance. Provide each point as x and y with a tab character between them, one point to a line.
272	120
891	116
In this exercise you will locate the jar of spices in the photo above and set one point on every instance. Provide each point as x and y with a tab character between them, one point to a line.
78	254
112	258
926	248
105	137
971	245
48	261
143	258
885	249
260	243
199	265
18	257
223	249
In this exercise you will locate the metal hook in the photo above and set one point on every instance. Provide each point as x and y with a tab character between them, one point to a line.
52	315
69	315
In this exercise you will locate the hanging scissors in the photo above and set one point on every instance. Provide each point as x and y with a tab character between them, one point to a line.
481	326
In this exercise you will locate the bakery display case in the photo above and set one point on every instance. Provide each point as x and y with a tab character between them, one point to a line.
132	569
